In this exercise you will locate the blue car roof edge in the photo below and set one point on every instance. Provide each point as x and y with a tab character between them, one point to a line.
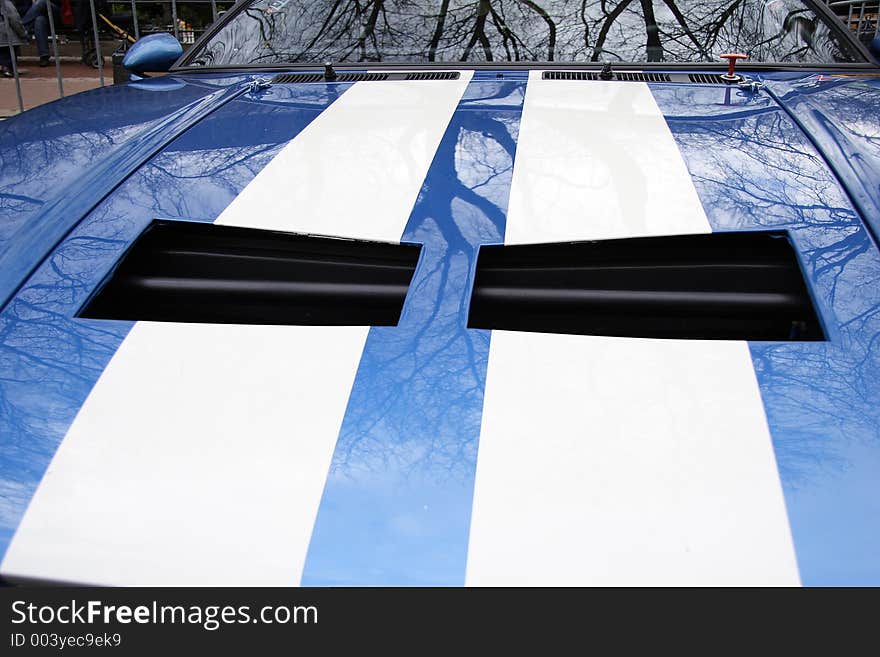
50	227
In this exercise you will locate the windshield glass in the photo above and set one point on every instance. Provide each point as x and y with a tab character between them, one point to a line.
453	31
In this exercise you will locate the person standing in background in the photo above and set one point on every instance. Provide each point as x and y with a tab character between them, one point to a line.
12	35
36	20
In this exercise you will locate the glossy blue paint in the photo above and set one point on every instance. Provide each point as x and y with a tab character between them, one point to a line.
397	503
49	358
396	508
165	83
153	53
59	160
842	117
754	169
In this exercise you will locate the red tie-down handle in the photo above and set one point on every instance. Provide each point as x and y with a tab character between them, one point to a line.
732	58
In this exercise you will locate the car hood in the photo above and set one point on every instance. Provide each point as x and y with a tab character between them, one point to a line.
429	452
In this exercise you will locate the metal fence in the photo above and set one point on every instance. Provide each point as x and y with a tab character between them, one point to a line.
861	16
96	21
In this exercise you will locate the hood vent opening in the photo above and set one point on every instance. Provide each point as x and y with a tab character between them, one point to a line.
718	286
199	272
620	76
364	76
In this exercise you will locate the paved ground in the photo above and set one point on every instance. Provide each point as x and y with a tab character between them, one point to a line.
40	85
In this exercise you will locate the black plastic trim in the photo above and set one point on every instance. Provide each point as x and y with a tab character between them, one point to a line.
619	76
705	78
637	76
364	76
199	272
728	286
297	78
301	78
865	68
433	75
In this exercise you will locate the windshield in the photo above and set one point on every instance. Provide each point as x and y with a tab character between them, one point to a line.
454	31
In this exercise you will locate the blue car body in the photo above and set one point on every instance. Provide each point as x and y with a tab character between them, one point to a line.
157	453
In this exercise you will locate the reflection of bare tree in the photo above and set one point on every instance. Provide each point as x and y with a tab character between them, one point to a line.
842	114
523	30
39	157
480	32
416	404
49	359
30	168
819	397
48	362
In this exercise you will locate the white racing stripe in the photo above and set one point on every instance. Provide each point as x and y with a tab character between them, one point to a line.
200	456
356	170
615	461
198	459
596	160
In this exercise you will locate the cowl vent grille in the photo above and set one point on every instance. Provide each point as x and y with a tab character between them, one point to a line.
300	78
297	78
705	78
641	77
570	75
363	76
439	75
619	76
